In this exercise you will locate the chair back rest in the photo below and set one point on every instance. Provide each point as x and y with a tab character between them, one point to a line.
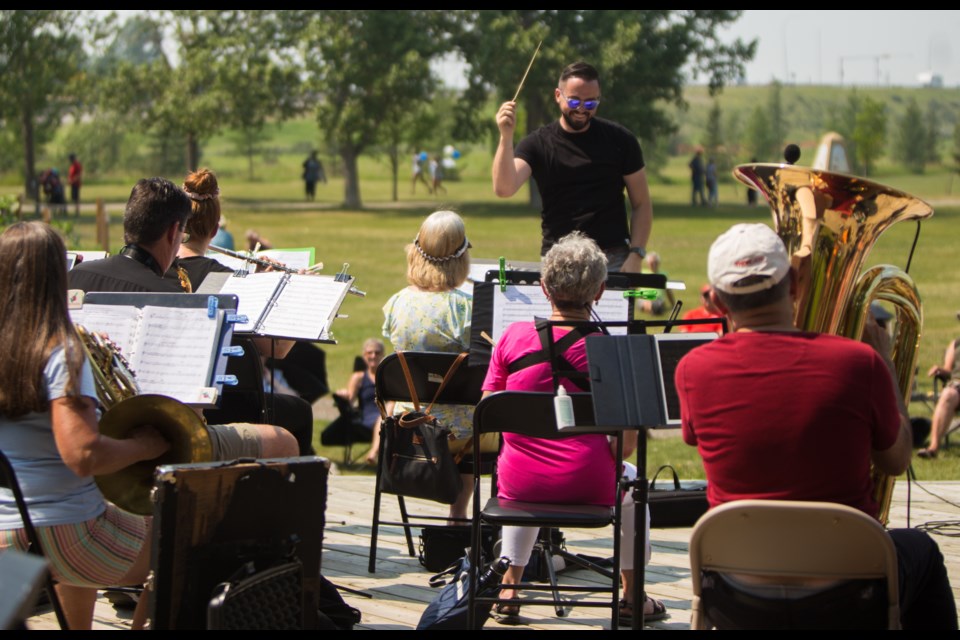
529	413
427	370
8	480
793	539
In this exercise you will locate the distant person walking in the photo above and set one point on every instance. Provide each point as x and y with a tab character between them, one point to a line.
75	178
713	197
697	179
436	175
312	174
419	159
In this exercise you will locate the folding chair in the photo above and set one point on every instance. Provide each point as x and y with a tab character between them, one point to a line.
532	414
763	564
8	479
427	370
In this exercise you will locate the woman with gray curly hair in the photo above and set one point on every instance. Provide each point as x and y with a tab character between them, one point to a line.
580	467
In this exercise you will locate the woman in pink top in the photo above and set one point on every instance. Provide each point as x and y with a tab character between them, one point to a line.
581	467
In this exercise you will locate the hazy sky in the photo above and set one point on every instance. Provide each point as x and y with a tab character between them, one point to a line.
808	46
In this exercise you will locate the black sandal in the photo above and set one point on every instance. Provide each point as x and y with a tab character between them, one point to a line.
507	613
626	611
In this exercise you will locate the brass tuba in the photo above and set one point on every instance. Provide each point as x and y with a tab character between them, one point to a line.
125	409
829	222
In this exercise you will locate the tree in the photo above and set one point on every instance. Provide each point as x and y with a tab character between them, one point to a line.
956	151
40	56
713	139
759	141
778	128
910	146
870	131
932	123
644	58
232	68
843	120
367	67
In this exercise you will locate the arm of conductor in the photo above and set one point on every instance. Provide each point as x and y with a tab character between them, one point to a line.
641	217
509	172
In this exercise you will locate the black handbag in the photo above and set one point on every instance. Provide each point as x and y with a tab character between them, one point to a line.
416	451
679	505
443	545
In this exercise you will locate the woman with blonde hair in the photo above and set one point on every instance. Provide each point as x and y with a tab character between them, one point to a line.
432	314
49	432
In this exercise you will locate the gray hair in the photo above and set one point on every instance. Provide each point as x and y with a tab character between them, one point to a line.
573	271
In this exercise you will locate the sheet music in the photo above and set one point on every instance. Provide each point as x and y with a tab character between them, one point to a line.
174	352
293	258
305	307
522	303
119	322
254	292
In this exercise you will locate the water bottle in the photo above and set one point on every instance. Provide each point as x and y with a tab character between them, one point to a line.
563	408
493	574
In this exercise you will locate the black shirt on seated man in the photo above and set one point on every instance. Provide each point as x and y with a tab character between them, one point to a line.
153	223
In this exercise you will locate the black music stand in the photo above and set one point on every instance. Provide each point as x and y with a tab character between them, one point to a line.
632	383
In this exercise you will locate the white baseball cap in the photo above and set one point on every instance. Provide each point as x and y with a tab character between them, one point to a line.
747	258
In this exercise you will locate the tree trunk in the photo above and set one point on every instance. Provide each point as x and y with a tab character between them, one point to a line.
31	188
394	168
351	177
193	151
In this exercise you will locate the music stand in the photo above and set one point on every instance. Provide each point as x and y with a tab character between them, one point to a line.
631	378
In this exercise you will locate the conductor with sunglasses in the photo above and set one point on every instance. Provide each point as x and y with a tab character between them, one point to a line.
581	165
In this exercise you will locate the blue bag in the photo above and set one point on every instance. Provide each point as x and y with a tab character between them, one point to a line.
449	610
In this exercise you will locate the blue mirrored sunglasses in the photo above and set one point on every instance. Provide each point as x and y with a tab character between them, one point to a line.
575	103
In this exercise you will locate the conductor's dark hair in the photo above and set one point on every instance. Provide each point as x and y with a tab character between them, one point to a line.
154	205
580	70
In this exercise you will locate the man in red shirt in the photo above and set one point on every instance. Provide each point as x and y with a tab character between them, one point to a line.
781	414
75	178
705	311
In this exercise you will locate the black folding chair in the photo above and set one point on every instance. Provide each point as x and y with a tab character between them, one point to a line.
531	414
427	370
8	479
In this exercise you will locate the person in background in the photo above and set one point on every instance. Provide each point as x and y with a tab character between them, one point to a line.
75	178
705	311
359	415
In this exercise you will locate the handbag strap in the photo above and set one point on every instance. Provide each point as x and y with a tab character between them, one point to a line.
676	480
410	387
446	378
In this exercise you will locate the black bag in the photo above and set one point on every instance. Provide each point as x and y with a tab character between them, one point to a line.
678	506
417	458
332	607
450	609
259	599
441	546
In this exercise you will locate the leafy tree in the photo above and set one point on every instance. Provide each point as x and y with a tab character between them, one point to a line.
759	138
713	139
778	127
910	146
932	123
956	150
843	120
870	132
367	67
644	57
40	58
232	68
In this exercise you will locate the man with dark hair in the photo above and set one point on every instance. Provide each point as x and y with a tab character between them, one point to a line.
581	165
781	414
153	224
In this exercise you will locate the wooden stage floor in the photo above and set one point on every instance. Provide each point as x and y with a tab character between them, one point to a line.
399	590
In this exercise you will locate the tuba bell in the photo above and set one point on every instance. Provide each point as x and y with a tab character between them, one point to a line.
125	409
829	222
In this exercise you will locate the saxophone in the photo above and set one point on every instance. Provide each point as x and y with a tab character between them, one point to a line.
125	408
829	222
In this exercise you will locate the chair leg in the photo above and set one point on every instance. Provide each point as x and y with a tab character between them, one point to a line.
547	558
405	518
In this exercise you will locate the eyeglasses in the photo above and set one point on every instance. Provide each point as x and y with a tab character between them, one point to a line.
575	103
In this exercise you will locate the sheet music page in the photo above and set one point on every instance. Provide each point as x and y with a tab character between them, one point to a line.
305	308
254	292
176	351
237	264
522	303
119	322
293	258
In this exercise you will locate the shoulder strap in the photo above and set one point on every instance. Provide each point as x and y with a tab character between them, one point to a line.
446	378
559	364
410	386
